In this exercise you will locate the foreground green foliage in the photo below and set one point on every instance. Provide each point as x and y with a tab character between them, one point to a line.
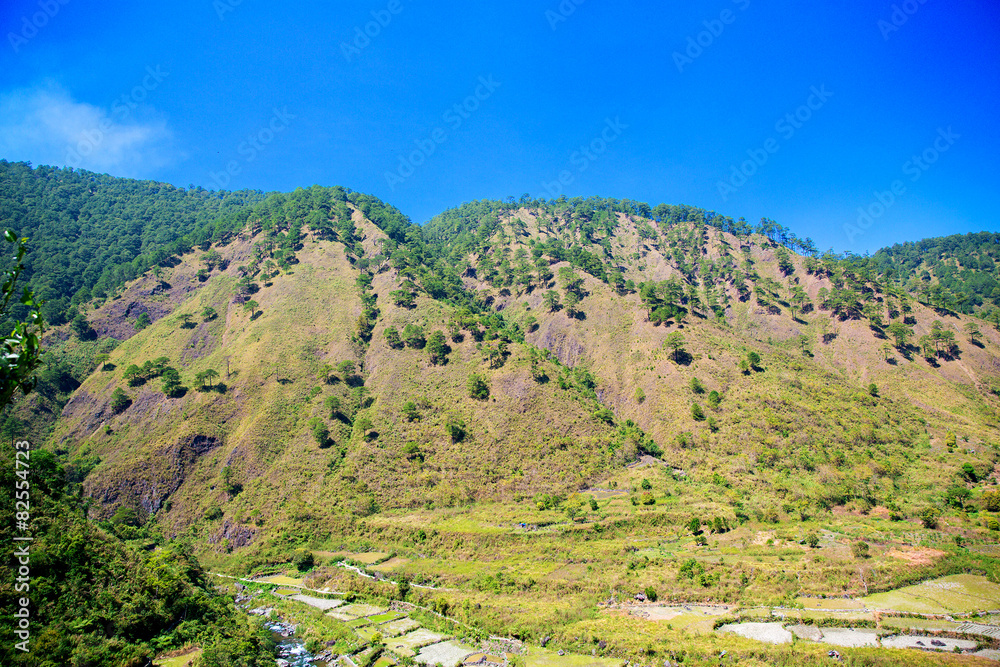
96	599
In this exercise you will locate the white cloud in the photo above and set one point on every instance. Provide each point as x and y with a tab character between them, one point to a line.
45	125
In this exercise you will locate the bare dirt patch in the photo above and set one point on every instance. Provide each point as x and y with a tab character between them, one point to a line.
319	603
772	633
917	556
927	643
448	654
670	612
390	564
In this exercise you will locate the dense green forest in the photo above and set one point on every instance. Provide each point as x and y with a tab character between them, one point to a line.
91	233
956	272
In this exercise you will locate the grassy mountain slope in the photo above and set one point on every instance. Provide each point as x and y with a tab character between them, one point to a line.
281	445
803	405
469	392
250	449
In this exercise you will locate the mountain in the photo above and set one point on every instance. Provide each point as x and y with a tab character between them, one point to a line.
318	372
574	390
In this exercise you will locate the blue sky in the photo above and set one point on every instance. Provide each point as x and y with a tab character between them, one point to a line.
800	112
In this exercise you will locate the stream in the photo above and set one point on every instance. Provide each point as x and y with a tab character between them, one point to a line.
291	650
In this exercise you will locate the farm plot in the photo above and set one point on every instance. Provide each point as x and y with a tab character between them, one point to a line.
545	658
449	654
319	603
771	633
955	594
932	643
282	580
355	611
398	627
390	564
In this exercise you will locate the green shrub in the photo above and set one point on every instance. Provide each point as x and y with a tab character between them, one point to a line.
303	560
478	389
119	400
991	500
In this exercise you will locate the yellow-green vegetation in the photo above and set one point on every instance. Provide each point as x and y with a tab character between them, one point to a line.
282	580
961	593
532	418
182	659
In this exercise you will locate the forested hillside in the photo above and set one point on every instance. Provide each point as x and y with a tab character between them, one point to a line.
953	272
312	371
91	233
112	594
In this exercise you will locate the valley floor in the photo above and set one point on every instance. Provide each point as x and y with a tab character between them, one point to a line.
623	583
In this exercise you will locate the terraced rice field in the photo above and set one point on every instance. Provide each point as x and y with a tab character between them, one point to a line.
396	628
367	633
771	633
449	654
319	603
404	637
390	564
669	612
921	624
355	611
831	604
368	558
414	640
850	637
955	594
282	580
539	657
926	643
387	616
